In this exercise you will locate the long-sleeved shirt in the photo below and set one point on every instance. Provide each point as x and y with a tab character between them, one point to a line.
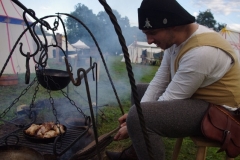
198	68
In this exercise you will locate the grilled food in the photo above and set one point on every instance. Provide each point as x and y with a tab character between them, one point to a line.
32	129
50	134
45	130
59	129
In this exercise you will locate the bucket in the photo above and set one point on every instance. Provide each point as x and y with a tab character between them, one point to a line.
9	80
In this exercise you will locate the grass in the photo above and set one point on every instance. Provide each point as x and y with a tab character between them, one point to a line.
108	111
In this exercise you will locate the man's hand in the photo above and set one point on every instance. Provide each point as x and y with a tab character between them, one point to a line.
122	133
122	120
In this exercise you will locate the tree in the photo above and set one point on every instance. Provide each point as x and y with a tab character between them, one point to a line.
76	31
101	27
130	34
108	38
109	32
220	26
206	18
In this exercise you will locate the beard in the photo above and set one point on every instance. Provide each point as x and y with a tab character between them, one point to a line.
169	40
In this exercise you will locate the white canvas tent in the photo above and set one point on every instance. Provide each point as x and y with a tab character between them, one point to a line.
70	47
80	45
51	41
136	48
11	26
233	37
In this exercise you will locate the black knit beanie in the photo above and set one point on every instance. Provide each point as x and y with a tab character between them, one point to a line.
154	14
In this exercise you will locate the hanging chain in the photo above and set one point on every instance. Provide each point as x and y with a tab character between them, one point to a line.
17	99
51	100
46	79
33	100
73	103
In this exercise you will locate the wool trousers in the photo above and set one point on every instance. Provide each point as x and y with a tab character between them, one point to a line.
174	119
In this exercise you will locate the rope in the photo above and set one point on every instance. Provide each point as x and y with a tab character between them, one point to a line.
130	74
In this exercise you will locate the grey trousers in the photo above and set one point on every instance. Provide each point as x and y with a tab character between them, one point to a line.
175	119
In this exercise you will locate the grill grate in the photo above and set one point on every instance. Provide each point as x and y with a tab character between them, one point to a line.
70	137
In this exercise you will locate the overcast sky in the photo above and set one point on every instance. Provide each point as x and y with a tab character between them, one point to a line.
224	11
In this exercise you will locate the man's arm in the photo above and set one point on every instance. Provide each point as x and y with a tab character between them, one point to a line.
199	67
160	81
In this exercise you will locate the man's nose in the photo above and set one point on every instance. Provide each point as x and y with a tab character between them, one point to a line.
150	40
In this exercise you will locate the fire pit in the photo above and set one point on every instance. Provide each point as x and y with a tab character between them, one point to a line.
50	147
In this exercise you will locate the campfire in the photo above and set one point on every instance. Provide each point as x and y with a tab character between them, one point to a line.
67	136
73	135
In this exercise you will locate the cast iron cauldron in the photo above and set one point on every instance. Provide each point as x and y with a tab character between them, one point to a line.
53	79
16	152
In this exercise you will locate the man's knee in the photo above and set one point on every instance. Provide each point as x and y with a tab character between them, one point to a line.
132	119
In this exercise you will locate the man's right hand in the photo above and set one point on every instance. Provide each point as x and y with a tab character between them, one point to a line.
122	132
122	120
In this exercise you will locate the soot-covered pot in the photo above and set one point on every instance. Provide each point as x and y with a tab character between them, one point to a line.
53	79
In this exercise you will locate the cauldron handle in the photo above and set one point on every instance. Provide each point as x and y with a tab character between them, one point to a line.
6	139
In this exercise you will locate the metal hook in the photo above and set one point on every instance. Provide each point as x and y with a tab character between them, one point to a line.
32	34
27	75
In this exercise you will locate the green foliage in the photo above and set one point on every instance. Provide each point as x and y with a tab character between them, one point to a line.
76	31
206	18
220	26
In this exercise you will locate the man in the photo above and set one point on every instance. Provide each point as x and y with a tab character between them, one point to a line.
199	67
